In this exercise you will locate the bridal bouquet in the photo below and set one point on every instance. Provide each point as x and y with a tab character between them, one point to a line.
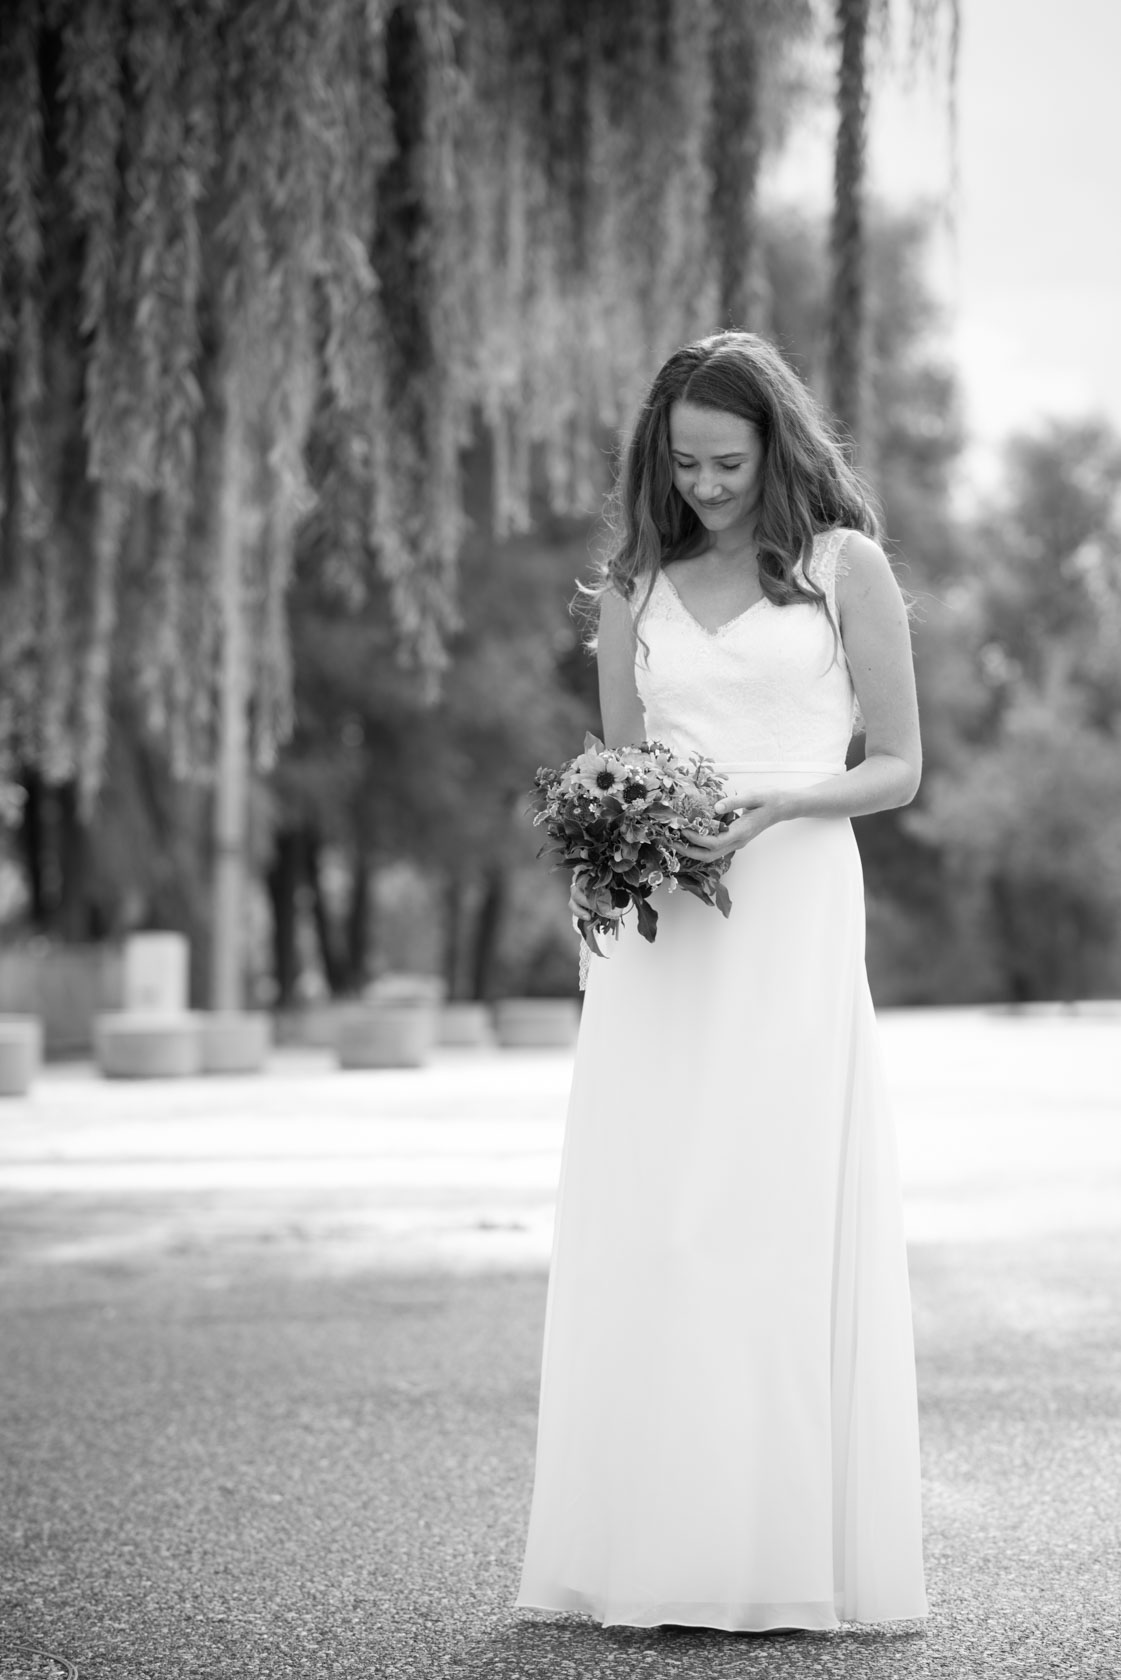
615	817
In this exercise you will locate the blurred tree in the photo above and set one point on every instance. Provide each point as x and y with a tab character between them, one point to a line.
747	39
375	772
915	432
848	325
1050	593
1034	822
846	363
223	220
1027	813
140	863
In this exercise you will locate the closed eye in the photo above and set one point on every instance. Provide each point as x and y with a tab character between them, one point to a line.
728	462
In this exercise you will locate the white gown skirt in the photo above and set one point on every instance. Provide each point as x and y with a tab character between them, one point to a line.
728	1431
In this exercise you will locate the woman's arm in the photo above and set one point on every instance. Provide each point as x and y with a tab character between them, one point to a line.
876	637
620	707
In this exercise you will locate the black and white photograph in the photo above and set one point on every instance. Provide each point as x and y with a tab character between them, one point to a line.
560	840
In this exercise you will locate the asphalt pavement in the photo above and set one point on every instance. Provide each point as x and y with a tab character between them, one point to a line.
269	1355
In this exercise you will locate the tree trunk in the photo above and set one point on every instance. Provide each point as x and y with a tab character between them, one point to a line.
283	885
488	926
358	921
1018	978
333	969
73	920
735	151
232	784
846	358
453	934
33	839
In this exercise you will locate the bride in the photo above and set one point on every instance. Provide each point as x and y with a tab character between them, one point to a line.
728	1432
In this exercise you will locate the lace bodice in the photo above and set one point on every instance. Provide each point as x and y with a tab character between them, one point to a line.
768	687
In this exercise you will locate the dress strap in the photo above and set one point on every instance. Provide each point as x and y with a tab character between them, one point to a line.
646	592
830	562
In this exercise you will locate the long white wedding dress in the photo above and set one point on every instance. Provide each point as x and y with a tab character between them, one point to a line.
728	1429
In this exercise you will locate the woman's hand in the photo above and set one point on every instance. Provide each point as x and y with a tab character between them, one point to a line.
578	902
757	812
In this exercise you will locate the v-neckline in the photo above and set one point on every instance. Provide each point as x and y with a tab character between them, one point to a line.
692	617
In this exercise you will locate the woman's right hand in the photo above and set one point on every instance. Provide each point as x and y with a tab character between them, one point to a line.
578	903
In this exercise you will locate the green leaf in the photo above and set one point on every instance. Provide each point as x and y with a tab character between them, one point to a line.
587	929
647	919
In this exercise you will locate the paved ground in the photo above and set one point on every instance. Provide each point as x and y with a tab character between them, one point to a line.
268	1364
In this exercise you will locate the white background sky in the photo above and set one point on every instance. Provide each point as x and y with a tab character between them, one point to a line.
1032	273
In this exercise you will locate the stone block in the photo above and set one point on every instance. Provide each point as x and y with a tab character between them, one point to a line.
536	1023
156	971
148	1044
465	1025
400	986
237	1041
21	1053
64	986
386	1035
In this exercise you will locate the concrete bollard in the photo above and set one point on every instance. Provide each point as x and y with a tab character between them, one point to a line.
237	1041
536	1023
148	1044
155	971
383	1034
465	1025
21	1053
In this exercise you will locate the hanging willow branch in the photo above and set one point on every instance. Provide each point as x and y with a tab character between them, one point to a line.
379	225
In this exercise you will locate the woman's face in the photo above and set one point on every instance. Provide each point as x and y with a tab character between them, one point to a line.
717	465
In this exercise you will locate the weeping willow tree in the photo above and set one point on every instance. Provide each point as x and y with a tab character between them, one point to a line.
270	264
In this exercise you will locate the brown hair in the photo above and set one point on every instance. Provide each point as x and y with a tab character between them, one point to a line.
807	485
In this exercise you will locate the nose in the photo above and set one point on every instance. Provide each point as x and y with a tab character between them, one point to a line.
706	487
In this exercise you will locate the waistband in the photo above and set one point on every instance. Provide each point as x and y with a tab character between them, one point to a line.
795	767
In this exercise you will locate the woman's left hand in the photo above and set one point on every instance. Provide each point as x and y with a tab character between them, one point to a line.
757	811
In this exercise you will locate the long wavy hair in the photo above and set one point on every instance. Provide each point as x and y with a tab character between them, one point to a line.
807	485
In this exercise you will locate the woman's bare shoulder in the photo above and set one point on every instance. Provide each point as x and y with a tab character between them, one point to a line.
862	566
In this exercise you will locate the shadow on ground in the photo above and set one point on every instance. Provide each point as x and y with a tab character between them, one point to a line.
549	1646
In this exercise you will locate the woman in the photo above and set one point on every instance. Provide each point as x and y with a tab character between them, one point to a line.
728	1433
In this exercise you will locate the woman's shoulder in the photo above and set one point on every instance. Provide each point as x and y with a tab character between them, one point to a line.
841	551
842	537
862	576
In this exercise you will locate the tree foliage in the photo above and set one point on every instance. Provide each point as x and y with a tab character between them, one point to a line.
373	775
862	26
1025	811
309	245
